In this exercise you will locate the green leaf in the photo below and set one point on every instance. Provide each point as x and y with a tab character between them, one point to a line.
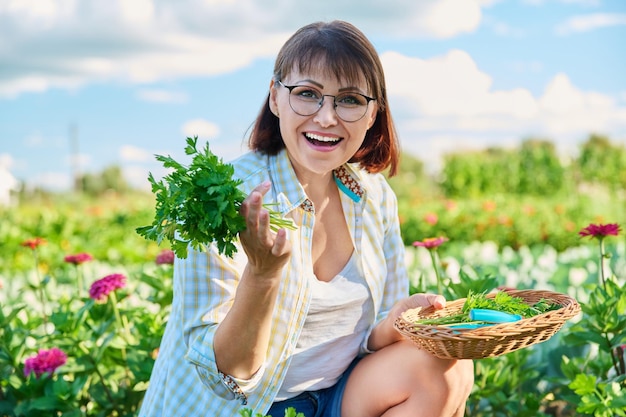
583	384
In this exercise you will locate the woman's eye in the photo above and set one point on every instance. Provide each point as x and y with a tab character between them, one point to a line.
351	100
307	93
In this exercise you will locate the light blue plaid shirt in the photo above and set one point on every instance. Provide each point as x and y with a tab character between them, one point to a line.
185	380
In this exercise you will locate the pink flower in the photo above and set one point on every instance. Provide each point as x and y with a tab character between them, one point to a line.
165	257
101	288
34	242
45	361
600	231
431	242
78	258
431	218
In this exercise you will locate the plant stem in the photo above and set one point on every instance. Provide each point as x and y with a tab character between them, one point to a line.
421	284
433	258
104	385
79	279
123	327
42	295
602	256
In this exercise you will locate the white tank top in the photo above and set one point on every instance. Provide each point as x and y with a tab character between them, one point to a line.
333	332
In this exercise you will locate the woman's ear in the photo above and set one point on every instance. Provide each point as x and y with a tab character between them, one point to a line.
372	116
272	100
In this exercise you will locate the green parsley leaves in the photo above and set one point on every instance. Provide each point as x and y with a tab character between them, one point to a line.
199	204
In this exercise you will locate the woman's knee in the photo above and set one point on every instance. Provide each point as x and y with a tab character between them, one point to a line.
405	376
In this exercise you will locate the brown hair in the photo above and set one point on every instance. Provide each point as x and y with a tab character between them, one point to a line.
342	51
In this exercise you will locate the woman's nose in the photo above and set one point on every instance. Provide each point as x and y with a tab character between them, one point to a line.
326	115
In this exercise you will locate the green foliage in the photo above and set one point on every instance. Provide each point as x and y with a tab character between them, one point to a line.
199	204
506	386
600	381
110	346
289	412
602	162
502	301
533	170
111	178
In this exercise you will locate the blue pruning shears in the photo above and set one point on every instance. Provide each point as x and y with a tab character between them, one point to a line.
491	317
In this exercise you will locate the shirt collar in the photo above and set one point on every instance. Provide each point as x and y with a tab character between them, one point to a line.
289	191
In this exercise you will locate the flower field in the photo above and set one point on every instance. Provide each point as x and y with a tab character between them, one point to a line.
84	301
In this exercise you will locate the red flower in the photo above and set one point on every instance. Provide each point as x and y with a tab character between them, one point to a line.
431	242
78	258
34	242
165	257
45	361
101	288
600	231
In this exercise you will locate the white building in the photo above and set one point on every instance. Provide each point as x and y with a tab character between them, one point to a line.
8	182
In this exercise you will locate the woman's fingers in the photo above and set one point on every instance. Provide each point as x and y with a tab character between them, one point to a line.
436	300
426	300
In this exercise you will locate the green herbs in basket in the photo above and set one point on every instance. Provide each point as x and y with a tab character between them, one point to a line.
199	204
501	302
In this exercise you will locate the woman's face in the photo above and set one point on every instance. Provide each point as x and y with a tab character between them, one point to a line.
321	142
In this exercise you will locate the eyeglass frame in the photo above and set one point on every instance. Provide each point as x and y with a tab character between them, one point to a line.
321	102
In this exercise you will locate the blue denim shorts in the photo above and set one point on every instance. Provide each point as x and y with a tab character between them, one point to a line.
323	403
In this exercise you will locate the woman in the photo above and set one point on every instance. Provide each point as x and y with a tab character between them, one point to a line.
305	318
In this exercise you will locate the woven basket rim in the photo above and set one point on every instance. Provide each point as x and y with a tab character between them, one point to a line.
441	339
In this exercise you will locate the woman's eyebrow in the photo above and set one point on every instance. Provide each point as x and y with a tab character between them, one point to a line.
321	87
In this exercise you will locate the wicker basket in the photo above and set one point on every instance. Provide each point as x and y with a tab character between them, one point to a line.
489	341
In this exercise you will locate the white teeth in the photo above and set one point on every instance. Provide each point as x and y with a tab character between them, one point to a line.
322	138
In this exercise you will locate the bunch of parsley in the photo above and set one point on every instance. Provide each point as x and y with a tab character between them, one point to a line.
199	204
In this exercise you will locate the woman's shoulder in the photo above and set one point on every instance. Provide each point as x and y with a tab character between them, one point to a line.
375	185
251	169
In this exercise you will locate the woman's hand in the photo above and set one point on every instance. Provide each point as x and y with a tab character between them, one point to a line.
267	251
385	334
414	301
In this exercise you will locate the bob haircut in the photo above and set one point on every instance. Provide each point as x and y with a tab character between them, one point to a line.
337	49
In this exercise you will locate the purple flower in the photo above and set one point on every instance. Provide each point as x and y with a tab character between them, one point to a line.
600	231
46	361
78	258
165	257
101	288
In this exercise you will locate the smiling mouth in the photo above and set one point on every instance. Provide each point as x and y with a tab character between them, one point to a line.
322	140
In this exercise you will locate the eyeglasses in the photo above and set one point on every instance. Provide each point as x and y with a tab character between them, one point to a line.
306	101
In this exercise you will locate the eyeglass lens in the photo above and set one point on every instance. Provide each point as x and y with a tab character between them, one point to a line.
306	101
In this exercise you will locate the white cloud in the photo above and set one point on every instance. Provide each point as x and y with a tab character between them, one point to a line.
155	41
447	18
448	103
137	11
451	85
130	153
567	109
590	22
201	128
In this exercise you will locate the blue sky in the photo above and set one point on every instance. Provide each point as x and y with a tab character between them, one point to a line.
130	78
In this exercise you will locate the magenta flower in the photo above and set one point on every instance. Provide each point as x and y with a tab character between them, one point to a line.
34	242
78	258
101	288
431	242
165	257
46	361
600	230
